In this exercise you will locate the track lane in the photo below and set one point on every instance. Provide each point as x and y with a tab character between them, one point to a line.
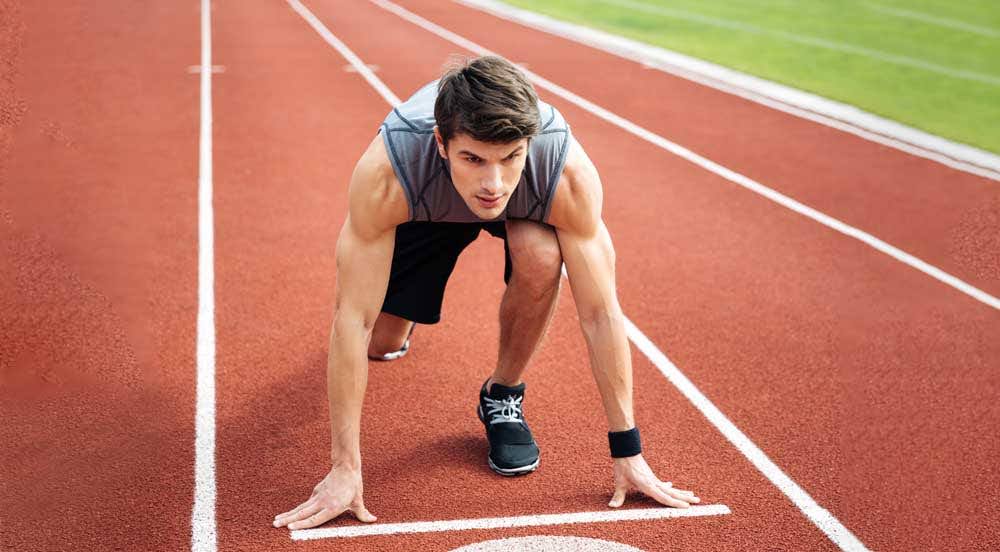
813	317
98	279
279	203
412	455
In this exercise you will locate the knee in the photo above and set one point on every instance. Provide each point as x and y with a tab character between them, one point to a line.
536	258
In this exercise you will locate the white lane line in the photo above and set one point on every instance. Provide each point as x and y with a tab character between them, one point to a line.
606	516
935	20
819	516
203	530
360	66
841	116
196	69
350	68
813	41
705	163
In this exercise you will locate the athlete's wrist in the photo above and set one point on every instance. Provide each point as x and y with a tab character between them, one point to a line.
624	444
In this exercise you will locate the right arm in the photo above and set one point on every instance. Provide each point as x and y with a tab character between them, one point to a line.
377	205
363	261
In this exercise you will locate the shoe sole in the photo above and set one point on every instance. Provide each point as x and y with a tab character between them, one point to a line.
397	354
393	355
508	472
514	472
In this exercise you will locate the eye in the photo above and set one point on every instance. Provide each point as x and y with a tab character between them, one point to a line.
472	159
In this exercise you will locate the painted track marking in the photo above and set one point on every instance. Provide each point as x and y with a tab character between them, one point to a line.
607	516
203	528
821	517
707	164
343	50
196	69
547	543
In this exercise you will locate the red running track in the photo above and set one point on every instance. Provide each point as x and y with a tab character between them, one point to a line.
869	383
98	274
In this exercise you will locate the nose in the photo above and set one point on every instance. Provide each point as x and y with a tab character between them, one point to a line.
492	182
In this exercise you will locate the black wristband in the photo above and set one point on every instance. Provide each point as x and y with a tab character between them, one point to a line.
624	443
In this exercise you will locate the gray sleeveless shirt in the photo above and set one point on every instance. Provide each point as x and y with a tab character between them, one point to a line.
426	178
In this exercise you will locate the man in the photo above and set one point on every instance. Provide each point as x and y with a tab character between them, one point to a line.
474	150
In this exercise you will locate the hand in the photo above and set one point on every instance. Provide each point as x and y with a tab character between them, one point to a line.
633	473
337	493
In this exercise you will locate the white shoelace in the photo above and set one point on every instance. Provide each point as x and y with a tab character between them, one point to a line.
504	411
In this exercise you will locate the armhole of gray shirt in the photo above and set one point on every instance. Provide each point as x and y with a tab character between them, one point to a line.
398	169
556	176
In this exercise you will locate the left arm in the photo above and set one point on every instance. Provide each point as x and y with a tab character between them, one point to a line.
589	255
590	265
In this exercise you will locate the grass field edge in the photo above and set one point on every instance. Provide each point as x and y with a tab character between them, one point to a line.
839	115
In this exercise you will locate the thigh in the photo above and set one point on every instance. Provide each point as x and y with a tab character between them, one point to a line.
422	261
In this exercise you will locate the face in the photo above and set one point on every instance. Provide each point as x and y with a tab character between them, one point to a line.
484	174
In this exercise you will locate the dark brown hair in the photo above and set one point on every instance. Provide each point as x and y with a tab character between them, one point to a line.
487	98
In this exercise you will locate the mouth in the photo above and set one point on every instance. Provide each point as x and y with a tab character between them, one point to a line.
489	202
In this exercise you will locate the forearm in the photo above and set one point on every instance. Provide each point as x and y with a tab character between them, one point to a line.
347	378
611	364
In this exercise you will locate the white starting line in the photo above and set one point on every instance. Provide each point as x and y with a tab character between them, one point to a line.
607	516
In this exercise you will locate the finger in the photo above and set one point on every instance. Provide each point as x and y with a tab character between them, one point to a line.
297	508
686	496
658	494
362	513
301	514
319	518
683	494
618	498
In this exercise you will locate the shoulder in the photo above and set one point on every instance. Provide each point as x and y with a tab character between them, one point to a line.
579	195
376	199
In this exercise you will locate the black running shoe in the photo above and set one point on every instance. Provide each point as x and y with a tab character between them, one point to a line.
512	448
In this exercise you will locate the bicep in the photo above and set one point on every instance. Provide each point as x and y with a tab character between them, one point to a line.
583	237
363	265
364	249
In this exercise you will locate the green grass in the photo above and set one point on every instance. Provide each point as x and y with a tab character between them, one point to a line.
853	51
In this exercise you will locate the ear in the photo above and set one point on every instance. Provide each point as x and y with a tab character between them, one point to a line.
442	151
